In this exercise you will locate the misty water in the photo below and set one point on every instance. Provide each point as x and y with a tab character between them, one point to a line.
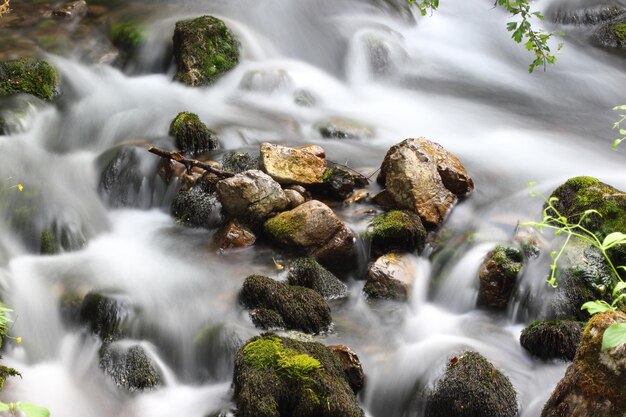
454	77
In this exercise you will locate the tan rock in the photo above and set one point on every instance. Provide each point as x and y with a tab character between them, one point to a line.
292	166
234	235
351	366
390	276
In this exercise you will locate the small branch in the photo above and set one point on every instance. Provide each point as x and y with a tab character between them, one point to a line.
187	162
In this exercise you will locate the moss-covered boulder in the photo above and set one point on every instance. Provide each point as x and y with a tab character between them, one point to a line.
29	75
204	49
307	272
313	228
498	276
300	308
195	208
611	34
106	314
472	387
391	276
129	366
127	37
192	136
397	230
59	237
238	162
594	384
281	377
555	339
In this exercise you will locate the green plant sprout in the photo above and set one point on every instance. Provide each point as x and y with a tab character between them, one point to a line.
615	334
618	126
26	409
535	41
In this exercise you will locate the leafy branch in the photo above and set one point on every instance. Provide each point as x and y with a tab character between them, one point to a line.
618	126
535	41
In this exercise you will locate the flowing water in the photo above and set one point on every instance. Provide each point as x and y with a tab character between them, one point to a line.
455	77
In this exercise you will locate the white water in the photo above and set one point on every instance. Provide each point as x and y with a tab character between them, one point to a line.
455	77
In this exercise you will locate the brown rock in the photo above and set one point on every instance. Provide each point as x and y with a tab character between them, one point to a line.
351	366
498	276
390	276
292	166
314	149
295	198
313	228
234	235
593	385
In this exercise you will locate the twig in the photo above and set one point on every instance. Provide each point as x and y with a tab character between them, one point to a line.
187	162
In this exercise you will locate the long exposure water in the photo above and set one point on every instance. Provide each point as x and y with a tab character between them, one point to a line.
454	77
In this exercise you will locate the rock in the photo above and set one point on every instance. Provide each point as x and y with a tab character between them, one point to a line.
71	10
394	231
472	387
204	49
234	235
195	208
121	179
238	162
29	75
306	272
341	182
17	111
267	319
295	198
340	128
127	37
251	196
584	16
498	276
390	276
300	308
351	366
611	34
304	98
107	314
422	176
557	339
313	228
594	384
281	377
314	149
58	237
291	166
215	346
265	81
130	367
191	135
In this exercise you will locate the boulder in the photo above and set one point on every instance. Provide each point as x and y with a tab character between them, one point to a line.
238	162
281	377
191	135
17	111
122	177
591	15
397	230
351	366
195	208
313	228
306	272
291	166
390	276
29	75
422	176
611	34
215	347
341	128
129	366
106	314
234	235
300	308
472	387
295	198
267	319
204	49
251	196
593	384
556	339
59	237
498	276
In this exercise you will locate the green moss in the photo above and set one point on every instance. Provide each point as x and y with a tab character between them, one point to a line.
127	34
263	353
270	353
619	29
191	135
396	230
49	244
327	174
28	75
204	49
282	226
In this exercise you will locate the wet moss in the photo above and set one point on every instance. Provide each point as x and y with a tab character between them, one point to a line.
29	75
396	230
307	272
619	29
204	49
49	244
191	135
552	339
498	276
282	226
127	37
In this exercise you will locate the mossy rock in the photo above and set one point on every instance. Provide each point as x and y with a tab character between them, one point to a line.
498	276
307	272
195	208
472	387
192	136
56	238
300	308
611	34
107	315
397	230
267	319
29	75
204	49
130	367
281	377
214	349
238	162
555	339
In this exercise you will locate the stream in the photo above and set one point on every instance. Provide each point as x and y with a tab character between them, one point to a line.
455	78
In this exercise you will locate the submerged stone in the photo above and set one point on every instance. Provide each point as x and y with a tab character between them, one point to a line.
340	128
195	208
556	339
498	276
29	75
129	367
107	315
204	49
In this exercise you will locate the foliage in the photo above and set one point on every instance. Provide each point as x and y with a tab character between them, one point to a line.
619	126
535	41
26	409
4	8
615	334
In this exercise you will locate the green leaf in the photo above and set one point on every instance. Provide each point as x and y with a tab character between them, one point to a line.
612	239
622	107
614	335
619	287
594	307
4	407
32	410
